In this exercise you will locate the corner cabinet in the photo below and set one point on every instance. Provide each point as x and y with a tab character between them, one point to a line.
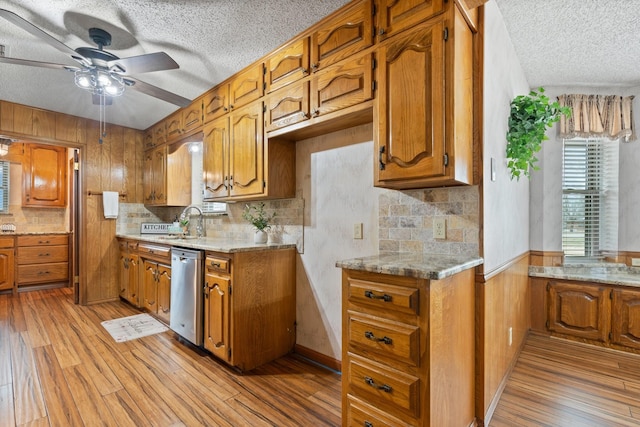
407	350
250	306
44	176
424	106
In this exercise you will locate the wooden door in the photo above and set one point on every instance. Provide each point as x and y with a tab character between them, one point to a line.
45	176
394	16
579	310
150	286
625	318
164	292
215	152
409	109
6	269
216	315
246	161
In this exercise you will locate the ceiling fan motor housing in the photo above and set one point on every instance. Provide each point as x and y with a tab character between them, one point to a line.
100	37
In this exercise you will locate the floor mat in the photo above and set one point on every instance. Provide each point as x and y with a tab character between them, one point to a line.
132	327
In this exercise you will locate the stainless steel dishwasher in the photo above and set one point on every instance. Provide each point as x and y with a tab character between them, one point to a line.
186	294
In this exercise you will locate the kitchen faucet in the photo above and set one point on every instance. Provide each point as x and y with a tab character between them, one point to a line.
200	230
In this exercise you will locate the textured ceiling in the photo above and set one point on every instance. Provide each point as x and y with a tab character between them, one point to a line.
576	42
210	40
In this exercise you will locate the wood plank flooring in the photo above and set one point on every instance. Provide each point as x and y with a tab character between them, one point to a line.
563	383
59	367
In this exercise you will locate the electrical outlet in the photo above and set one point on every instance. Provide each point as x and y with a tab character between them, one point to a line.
510	336
439	228
635	262
357	231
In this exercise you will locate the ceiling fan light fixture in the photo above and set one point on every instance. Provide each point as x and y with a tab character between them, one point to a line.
100	82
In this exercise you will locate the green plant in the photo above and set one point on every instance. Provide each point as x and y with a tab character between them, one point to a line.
530	116
257	217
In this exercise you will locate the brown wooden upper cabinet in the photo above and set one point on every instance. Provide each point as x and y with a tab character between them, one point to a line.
159	132
346	34
394	16
216	102
184	122
167	176
246	86
44	176
424	107
288	64
147	140
287	106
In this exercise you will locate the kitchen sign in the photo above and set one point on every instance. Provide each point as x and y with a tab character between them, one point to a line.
154	228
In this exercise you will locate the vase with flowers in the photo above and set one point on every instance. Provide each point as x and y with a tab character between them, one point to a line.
259	219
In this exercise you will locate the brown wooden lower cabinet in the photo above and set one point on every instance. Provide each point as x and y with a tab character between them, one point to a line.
42	259
595	313
249	306
129	272
408	350
6	263
155	280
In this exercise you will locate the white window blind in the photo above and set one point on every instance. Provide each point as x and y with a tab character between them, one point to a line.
589	198
4	186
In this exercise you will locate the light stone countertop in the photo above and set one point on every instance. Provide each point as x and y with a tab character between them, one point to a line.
613	274
424	266
207	243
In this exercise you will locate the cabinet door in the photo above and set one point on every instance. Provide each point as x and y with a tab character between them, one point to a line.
148	140
216	315
133	288
150	286
6	269
625	318
247	86
155	175
216	102
159	134
173	126
287	106
246	161
344	35
397	15
579	310
164	292
409	109
147	178
288	64
215	152
342	85
192	117
45	176
124	274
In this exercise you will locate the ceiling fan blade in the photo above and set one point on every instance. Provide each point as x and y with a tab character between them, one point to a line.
6	60
156	92
143	63
30	28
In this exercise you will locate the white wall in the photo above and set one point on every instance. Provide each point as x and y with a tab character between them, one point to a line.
505	202
334	176
546	184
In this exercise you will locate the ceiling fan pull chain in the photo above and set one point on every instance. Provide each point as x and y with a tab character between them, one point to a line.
103	118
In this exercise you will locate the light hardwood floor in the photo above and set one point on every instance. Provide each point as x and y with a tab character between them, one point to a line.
563	383
59	367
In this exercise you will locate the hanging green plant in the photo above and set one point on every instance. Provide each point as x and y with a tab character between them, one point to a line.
530	116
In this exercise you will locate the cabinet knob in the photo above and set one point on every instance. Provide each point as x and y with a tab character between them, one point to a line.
381	32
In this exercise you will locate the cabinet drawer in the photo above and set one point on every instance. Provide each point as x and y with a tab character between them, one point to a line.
389	339
392	388
6	242
361	414
157	251
43	273
43	239
42	254
221	265
385	297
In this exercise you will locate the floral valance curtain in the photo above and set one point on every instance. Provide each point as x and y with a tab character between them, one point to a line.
608	116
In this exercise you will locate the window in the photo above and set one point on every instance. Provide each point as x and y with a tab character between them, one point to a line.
589	198
4	187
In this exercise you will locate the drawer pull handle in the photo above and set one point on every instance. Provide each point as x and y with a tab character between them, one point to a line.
215	264
367	424
43	242
385	297
383	387
372	337
44	255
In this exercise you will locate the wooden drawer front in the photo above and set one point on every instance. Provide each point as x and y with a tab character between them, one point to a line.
341	86
221	265
374	382
361	414
389	339
157	251
6	242
386	297
38	273
43	239
42	254
287	106
287	65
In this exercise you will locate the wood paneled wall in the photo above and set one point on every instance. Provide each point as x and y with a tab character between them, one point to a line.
502	302
113	165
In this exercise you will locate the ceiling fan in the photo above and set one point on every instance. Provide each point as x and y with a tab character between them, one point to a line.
102	73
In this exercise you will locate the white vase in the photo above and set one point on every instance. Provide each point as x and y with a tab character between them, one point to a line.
260	237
